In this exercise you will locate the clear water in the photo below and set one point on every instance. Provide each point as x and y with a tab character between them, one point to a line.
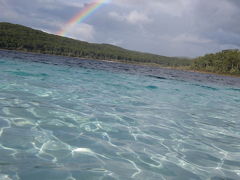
65	120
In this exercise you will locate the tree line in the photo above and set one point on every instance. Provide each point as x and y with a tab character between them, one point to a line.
18	37
227	61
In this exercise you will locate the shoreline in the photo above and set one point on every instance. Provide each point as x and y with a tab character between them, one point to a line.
180	68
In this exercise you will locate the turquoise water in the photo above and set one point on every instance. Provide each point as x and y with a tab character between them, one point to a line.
66	122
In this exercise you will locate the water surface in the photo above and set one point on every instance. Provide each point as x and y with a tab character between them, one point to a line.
65	119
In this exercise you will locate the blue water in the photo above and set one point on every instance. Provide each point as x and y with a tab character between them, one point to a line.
70	119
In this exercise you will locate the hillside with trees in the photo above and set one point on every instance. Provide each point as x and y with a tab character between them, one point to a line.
21	38
18	37
224	62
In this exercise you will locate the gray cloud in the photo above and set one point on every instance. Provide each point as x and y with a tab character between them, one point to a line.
167	27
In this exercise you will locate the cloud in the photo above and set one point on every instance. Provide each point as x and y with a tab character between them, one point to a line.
188	38
7	11
175	8
167	27
82	31
116	16
134	17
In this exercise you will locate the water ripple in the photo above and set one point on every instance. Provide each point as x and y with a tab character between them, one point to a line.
89	120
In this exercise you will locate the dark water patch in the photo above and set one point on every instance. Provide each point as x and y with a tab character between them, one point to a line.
3	123
210	160
22	73
206	87
221	178
5	164
234	89
151	87
158	77
232	163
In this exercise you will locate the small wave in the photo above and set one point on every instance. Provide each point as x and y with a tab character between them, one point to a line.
152	87
157	77
22	73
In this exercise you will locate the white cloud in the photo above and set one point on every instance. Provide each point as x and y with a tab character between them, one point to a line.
170	7
116	16
82	31
173	8
134	17
133	2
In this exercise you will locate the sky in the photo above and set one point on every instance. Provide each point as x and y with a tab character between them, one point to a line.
186	28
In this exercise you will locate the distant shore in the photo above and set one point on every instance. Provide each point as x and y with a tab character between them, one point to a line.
181	68
24	39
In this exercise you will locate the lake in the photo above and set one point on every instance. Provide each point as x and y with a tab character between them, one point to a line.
69	119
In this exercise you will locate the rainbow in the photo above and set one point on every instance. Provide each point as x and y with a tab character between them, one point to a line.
82	15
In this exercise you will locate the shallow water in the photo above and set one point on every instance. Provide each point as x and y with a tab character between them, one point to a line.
66	119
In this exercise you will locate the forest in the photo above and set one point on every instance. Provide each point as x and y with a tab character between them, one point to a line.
18	37
22	38
224	62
